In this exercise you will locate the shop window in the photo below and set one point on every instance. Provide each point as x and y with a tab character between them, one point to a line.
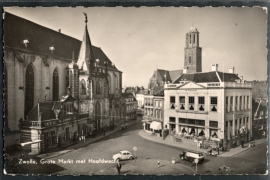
191	103
213	124
213	104
201	103
182	102
172	102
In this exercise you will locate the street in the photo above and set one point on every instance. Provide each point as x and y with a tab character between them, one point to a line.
253	161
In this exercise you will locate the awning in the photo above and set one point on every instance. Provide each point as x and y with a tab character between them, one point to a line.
155	125
146	120
30	142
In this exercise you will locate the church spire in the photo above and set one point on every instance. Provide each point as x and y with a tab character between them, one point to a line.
86	55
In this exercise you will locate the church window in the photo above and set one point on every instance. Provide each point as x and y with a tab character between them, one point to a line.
55	85
98	89
190	38
29	89
109	83
83	87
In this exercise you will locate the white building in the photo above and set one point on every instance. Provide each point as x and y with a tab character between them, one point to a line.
214	104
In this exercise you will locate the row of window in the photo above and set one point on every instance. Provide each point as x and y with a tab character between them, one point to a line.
241	123
193	122
191	103
157	113
237	103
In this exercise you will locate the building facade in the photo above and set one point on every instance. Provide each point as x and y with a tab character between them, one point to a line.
39	69
212	104
131	105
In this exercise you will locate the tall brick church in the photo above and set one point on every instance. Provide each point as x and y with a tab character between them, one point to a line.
56	87
192	62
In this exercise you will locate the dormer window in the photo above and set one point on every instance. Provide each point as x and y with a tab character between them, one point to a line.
52	49
26	42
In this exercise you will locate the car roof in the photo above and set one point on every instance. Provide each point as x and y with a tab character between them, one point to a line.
124	151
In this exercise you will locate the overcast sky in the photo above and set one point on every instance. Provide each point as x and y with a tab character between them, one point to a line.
139	40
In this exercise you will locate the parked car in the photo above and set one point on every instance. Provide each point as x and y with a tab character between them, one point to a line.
190	156
123	155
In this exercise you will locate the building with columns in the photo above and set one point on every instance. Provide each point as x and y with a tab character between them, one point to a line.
55	85
214	104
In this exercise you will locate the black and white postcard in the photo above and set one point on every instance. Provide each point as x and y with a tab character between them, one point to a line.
135	91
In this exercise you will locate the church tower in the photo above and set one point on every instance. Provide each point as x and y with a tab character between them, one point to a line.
193	53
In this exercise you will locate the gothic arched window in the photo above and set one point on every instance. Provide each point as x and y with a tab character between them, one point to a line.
83	87
109	83
98	90
55	85
116	82
29	89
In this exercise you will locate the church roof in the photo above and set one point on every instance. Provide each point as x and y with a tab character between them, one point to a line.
205	77
41	38
159	74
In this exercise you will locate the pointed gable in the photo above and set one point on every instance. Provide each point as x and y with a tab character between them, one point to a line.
86	52
191	85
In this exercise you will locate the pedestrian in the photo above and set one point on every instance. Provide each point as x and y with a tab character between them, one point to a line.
242	143
104	132
118	167
158	163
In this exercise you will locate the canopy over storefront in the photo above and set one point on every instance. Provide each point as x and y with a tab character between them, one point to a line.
156	125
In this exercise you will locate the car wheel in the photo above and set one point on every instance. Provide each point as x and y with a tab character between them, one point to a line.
130	158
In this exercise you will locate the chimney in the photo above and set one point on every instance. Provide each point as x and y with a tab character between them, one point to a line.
214	67
231	70
184	71
59	30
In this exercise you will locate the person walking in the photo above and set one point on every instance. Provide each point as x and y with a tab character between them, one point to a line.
158	163
118	167
104	132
